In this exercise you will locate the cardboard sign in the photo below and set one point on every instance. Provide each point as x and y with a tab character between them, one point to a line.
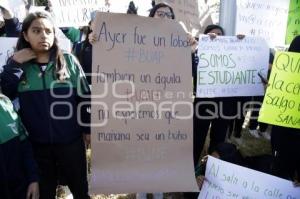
7	46
229	66
266	19
225	180
142	107
281	104
293	26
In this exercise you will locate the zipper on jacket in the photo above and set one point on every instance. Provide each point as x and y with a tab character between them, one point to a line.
43	72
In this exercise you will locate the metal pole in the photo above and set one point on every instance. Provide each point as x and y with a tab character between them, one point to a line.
228	16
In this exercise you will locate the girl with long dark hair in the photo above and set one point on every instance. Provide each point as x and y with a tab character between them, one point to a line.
51	87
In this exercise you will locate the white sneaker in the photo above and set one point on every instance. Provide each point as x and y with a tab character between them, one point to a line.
254	133
265	135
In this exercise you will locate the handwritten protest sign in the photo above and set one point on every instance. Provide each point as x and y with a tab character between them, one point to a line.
225	180
7	46
293	27
229	66
141	106
263	19
281	104
68	13
185	11
16	6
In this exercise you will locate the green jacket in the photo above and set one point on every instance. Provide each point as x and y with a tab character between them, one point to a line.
51	110
10	123
17	165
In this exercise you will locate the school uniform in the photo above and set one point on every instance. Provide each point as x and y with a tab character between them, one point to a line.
17	166
48	109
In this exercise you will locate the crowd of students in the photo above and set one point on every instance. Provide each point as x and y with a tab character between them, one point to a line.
56	151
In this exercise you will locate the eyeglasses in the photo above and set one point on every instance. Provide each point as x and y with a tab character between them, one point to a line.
163	14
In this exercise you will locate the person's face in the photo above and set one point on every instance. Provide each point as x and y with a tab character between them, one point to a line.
163	13
216	31
40	35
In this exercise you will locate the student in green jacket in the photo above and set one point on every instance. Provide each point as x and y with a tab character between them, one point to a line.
18	170
53	95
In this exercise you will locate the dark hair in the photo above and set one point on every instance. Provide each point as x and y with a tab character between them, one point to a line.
131	8
161	5
153	3
87	30
295	47
228	152
2	30
56	54
213	26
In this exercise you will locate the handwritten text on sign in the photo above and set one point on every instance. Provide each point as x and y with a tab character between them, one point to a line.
75	13
7	46
141	87
281	104
229	66
263	19
225	180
